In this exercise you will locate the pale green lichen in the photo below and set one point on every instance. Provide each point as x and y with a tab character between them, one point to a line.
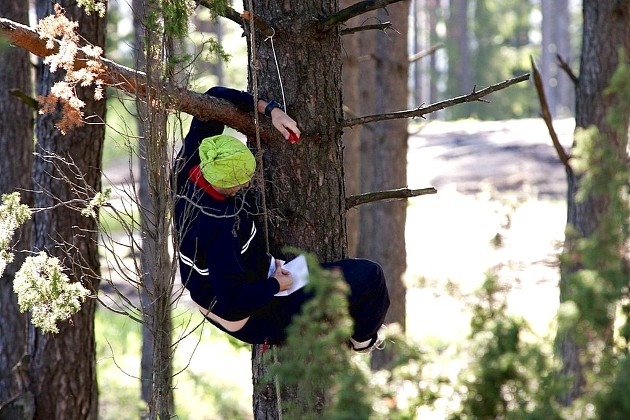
90	6
43	289
12	215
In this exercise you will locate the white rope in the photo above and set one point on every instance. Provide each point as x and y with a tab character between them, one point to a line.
275	58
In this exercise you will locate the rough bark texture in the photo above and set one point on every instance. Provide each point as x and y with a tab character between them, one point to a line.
305	187
351	136
606	28
63	373
384	166
16	161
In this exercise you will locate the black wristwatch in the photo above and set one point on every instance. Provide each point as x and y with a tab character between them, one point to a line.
270	106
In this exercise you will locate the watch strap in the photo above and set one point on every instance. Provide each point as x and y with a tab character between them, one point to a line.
270	106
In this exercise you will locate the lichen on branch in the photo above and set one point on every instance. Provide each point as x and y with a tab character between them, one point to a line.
59	27
46	291
12	215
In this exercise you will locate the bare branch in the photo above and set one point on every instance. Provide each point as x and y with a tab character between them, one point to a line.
474	96
431	50
400	193
355	10
546	116
378	26
234	16
134	82
565	66
28	100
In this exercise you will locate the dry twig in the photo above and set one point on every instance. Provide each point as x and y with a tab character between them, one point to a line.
401	193
546	115
474	96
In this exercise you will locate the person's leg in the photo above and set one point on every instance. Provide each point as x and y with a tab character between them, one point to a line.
369	300
268	324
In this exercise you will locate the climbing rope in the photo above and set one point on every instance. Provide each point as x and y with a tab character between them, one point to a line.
260	176
260	173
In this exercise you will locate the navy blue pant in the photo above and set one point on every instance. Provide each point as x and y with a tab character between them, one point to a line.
367	303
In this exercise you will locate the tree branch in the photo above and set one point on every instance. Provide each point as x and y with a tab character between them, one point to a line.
401	193
546	116
28	100
420	111
422	54
378	26
135	82
349	12
234	16
565	66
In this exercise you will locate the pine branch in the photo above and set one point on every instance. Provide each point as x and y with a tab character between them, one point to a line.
234	16
422	54
355	10
378	26
546	116
565	66
356	200
135	82
420	111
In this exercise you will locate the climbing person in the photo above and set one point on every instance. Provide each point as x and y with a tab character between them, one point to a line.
222	254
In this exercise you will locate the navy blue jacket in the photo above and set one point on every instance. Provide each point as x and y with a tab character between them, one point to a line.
223	260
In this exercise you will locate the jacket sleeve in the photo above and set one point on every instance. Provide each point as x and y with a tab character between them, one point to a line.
238	293
199	130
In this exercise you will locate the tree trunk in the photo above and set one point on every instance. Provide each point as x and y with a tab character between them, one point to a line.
382	235
352	136
458	49
155	201
548	69
434	9
304	182
565	88
16	162
606	28
556	39
63	372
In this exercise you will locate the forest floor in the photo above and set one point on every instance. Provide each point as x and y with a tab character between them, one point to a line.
500	206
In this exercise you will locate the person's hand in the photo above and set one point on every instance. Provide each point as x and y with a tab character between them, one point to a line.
285	125
284	277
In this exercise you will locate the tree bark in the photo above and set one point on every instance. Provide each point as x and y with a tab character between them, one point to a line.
304	182
606	28
382	236
16	162
352	135
63	372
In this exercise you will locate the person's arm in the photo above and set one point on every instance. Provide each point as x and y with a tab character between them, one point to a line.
245	102
237	296
279	119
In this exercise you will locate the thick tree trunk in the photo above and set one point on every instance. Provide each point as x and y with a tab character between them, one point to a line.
16	161
63	372
382	235
606	28
352	136
305	186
